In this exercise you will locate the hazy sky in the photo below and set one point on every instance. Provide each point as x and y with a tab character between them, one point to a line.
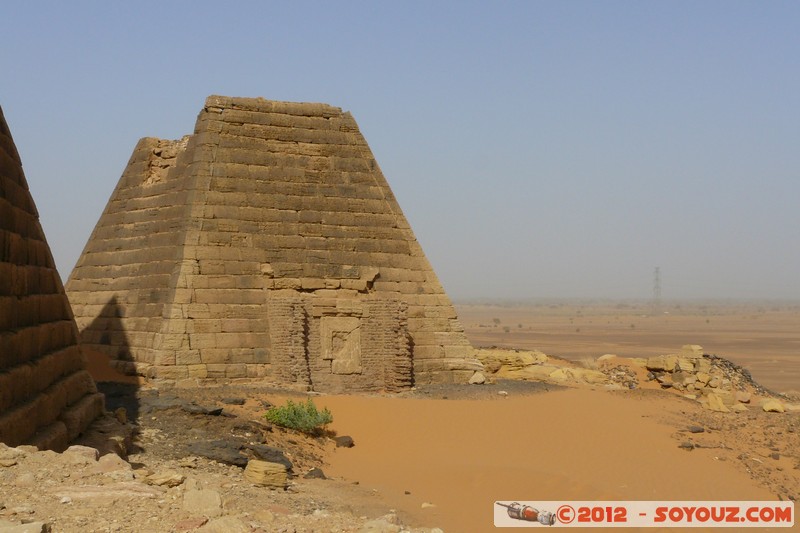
538	149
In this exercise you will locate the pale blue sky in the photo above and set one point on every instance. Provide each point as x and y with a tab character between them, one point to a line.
539	149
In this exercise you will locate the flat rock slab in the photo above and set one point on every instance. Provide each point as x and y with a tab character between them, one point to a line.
226	524
223	451
271	454
204	502
124	489
33	527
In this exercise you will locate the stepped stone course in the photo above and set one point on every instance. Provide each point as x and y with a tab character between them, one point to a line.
46	396
267	244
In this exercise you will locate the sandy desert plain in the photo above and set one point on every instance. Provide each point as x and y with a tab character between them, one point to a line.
761	336
441	456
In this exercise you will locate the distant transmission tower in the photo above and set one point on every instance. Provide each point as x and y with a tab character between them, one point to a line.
657	291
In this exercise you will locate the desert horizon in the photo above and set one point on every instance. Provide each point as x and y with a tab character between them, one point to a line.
761	336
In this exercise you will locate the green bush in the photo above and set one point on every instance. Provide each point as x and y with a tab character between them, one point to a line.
300	416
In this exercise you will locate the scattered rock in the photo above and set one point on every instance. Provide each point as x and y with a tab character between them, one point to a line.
315	473
696	429
264	473
32	527
344	441
384	524
226	524
688	446
271	454
85	453
743	396
715	403
428	505
203	502
773	406
190	524
114	467
200	410
233	401
226	451
168	478
477	379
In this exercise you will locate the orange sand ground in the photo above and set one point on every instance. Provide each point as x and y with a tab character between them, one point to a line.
763	338
463	455
575	444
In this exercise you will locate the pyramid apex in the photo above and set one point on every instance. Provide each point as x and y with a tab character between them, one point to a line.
259	104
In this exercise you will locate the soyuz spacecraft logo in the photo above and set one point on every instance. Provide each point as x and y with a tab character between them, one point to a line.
527	513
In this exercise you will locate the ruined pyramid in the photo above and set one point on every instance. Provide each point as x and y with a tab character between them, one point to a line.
47	398
267	244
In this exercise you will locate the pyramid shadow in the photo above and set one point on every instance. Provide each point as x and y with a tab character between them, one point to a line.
106	345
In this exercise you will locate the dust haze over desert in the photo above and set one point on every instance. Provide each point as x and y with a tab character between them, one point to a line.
522	252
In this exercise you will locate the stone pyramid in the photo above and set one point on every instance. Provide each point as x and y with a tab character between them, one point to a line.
47	398
267	244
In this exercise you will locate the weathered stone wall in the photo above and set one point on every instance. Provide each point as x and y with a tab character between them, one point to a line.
46	396
268	201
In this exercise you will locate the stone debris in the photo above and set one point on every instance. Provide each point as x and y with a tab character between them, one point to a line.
82	490
477	379
266	474
168	478
716	383
30	527
536	366
204	502
773	406
385	524
715	403
344	441
226	524
315	473
190	524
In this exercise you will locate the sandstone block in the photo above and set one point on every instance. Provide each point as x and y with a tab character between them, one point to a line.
477	379
773	406
264	473
692	350
715	403
658	363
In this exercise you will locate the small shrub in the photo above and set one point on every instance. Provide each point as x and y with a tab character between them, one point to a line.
303	417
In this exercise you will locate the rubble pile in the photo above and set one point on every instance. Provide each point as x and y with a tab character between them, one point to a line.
715	382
